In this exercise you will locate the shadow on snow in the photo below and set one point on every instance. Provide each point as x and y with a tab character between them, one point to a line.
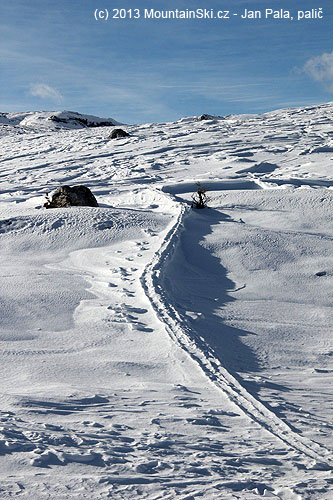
198	286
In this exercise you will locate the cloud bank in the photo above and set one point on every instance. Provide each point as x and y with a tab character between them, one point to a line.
320	68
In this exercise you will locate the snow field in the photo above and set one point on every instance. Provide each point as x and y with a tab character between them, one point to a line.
156	352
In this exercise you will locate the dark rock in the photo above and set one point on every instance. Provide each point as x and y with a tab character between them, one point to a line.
80	120
75	196
210	117
118	132
204	117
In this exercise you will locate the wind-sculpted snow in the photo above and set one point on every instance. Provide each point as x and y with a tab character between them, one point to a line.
149	350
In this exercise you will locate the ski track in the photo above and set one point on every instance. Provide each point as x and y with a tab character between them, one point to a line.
205	358
157	438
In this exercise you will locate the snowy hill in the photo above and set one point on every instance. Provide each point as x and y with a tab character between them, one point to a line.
37	120
150	350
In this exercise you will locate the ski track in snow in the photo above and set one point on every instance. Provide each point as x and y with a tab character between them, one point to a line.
200	352
127	397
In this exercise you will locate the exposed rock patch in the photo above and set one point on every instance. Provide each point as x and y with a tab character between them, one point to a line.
75	196
205	116
77	120
118	132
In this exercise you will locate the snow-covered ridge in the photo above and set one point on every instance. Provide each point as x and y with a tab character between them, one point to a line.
326	110
55	120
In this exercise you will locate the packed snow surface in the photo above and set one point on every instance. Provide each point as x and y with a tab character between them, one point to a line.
150	350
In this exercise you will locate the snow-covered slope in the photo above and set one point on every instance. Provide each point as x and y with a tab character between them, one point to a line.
39	120
149	350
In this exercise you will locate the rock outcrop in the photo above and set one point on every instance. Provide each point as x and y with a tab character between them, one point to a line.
71	119
75	196
118	132
206	117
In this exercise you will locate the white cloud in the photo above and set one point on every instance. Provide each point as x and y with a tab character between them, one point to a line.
45	92
320	68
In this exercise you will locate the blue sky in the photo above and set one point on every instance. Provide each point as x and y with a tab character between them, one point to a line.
54	55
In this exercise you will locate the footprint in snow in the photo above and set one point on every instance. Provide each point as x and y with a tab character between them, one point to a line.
137	310
143	328
131	317
124	271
